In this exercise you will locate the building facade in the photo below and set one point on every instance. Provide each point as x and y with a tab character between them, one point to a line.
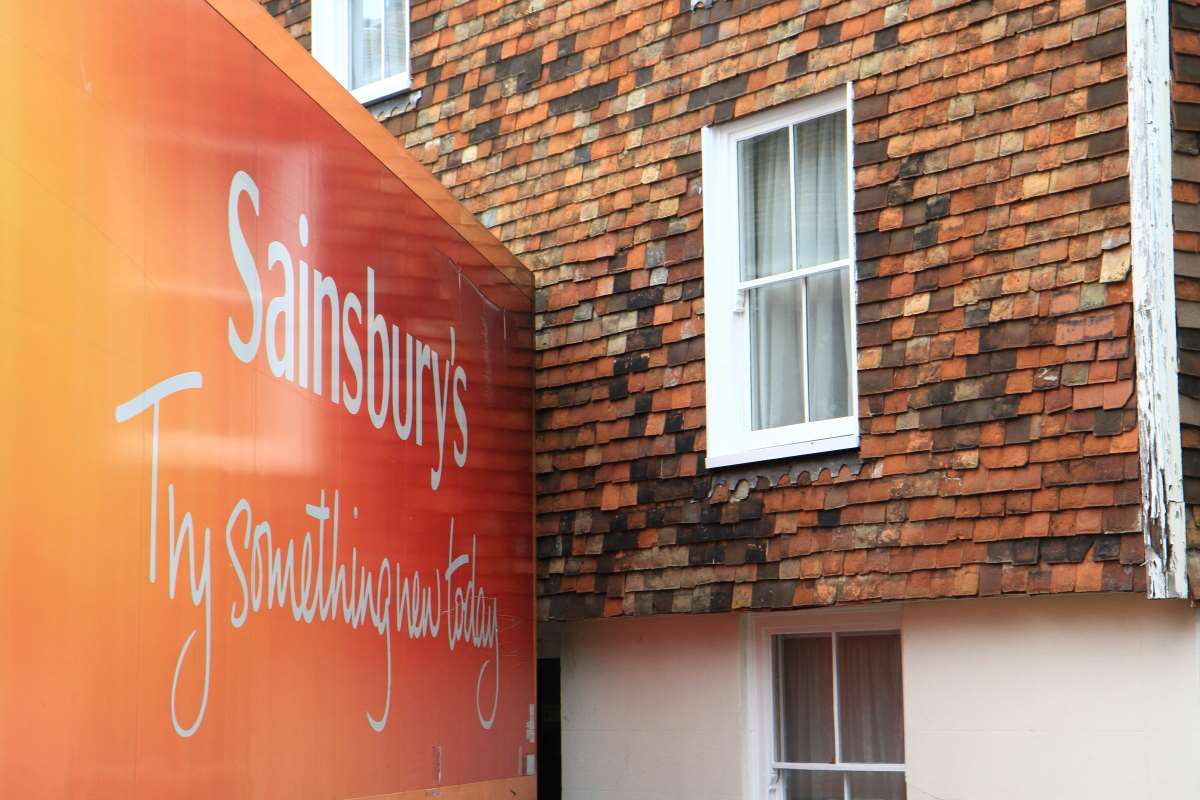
866	378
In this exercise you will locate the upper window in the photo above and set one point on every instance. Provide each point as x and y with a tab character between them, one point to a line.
779	282
364	44
831	697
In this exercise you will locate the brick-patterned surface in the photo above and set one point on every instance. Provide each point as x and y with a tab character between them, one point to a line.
1185	66
999	445
295	16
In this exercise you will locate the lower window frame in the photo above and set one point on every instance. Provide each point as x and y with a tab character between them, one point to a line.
766	772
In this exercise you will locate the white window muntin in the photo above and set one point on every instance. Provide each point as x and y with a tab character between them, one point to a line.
332	46
762	629
731	437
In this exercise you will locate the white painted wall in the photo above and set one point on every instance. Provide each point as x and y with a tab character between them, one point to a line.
1047	698
1091	697
651	709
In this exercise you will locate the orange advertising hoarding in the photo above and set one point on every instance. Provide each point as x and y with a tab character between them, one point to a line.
265	430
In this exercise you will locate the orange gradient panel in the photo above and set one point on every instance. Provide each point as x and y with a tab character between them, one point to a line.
265	442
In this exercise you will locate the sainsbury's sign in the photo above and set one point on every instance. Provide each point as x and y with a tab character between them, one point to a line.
291	320
270	492
267	573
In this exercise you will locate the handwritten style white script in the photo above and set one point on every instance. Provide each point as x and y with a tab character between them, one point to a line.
317	587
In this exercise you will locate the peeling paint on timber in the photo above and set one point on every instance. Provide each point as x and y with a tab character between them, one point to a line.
1152	234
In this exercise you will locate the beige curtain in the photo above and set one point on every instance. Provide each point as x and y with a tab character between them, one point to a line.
828	303
804	694
870	706
800	319
821	183
870	715
366	31
395	35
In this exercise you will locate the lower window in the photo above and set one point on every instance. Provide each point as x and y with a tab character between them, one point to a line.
836	715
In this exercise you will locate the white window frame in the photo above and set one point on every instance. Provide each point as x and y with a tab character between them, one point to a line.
331	47
731	439
761	630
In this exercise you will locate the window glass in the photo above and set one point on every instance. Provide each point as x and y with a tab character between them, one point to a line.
764	195
366	35
805	785
800	350
805	696
808	204
378	40
875	786
869	699
838	702
826	305
364	45
792	185
777	354
395	43
820	190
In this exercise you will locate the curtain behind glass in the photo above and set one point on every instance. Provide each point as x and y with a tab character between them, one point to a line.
814	785
828	345
366	42
876	786
870	704
777	354
395	37
785	327
765	205
823	785
821	174
776	312
822	235
804	699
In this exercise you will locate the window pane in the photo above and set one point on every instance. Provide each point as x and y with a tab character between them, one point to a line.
798	785
777	354
877	786
822	233
366	42
870	706
765	205
791	321
804	699
395	37
828	304
805	785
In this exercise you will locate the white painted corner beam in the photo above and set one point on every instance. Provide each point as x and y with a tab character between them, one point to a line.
1152	237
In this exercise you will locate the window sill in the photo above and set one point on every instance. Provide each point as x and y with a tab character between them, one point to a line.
382	90
718	459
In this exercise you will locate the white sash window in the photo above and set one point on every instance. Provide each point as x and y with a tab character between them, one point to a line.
364	44
779	282
827	706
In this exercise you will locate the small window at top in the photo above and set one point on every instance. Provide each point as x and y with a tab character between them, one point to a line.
364	44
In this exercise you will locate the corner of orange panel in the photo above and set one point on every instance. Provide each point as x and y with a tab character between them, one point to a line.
269	37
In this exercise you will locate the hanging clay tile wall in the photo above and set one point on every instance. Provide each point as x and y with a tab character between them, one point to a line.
1185	66
999	438
295	16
